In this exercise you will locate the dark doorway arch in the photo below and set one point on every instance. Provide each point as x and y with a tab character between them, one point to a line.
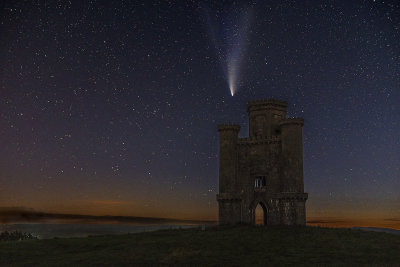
260	214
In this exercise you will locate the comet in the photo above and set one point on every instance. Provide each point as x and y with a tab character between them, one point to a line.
228	32
233	70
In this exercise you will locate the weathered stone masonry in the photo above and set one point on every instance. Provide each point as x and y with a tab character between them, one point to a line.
266	168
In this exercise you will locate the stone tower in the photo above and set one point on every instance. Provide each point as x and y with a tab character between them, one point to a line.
264	169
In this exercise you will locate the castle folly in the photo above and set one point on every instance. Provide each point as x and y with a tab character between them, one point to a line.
264	169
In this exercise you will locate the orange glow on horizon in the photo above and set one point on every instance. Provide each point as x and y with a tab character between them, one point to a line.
353	222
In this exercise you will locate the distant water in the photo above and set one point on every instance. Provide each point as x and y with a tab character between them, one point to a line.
376	229
46	230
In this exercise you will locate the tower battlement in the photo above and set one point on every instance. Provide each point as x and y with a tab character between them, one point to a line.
268	103
297	121
228	127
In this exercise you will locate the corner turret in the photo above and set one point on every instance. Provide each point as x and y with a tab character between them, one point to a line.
292	154
228	137
228	166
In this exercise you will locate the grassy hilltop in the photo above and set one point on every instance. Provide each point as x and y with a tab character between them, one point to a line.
219	246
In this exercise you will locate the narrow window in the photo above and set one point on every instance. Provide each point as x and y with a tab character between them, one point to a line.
259	182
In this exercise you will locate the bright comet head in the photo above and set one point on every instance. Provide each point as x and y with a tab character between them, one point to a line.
231	81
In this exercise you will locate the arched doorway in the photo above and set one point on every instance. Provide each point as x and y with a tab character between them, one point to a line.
260	214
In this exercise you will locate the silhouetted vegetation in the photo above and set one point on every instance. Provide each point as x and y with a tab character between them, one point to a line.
214	246
15	236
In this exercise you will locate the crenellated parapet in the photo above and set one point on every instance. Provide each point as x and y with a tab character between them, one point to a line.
252	141
294	121
228	127
266	104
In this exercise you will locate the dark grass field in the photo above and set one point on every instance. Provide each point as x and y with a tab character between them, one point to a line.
214	246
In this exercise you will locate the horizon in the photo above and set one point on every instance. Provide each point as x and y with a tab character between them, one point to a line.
9	215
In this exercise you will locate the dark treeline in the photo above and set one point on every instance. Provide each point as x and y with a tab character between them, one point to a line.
15	236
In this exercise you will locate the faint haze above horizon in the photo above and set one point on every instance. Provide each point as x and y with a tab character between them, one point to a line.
15	215
112	107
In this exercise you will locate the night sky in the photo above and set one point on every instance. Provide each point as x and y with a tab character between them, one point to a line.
112	107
